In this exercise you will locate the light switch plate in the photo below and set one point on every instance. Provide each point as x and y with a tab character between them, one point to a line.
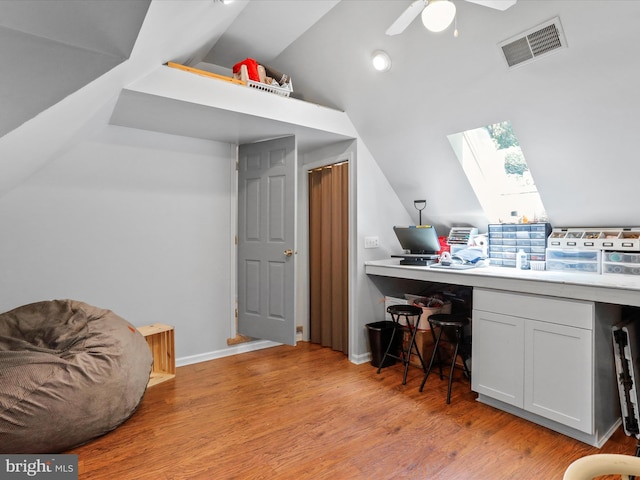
371	242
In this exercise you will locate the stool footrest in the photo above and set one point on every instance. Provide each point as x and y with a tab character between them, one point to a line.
454	326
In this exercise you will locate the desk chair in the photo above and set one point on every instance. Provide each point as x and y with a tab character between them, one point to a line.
452	325
411	315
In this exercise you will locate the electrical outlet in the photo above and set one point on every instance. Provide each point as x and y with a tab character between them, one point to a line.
371	242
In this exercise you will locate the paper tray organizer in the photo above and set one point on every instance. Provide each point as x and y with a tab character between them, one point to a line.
627	239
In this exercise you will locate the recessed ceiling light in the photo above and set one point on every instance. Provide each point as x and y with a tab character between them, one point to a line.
381	61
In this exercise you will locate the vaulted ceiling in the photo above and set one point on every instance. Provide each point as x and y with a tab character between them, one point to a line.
51	49
573	111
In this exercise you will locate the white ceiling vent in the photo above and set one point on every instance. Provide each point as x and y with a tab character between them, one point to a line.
534	43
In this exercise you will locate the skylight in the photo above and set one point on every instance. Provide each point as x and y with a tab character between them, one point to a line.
493	161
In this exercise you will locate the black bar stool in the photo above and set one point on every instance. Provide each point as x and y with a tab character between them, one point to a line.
452	325
411	315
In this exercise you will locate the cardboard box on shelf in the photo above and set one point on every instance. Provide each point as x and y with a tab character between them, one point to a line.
424	342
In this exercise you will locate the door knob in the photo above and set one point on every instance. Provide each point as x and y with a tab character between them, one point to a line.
288	253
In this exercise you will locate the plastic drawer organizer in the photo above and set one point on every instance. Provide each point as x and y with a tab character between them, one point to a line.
573	260
595	250
627	263
505	239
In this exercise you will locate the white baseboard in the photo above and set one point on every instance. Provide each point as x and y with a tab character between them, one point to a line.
250	347
359	359
227	352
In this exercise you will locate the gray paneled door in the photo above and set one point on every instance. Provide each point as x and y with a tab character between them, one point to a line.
266	239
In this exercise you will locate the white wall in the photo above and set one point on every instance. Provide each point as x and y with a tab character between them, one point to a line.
379	209
137	222
143	224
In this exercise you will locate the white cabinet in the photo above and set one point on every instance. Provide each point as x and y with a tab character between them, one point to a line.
498	372
547	359
558	380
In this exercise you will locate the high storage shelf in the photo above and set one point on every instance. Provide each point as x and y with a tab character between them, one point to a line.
506	239
177	102
161	341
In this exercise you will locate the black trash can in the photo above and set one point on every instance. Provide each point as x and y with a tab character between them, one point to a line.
379	338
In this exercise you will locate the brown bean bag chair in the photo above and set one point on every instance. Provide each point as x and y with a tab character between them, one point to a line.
69	372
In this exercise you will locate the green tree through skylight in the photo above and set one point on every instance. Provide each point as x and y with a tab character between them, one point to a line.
495	165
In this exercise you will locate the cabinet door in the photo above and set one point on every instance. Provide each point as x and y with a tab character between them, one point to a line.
497	361
558	373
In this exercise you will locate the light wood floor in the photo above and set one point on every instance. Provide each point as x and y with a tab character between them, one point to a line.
306	412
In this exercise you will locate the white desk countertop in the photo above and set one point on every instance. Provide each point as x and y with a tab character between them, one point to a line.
608	288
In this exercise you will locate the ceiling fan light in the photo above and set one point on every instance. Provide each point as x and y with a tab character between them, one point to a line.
438	15
381	61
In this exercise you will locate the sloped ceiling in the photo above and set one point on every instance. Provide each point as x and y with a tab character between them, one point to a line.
566	108
177	30
264	29
51	49
574	112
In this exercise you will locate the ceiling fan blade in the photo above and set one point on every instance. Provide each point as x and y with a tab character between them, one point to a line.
497	4
406	17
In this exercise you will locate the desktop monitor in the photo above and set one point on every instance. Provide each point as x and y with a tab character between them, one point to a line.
421	239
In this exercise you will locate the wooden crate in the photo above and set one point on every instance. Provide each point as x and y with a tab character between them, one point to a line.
160	338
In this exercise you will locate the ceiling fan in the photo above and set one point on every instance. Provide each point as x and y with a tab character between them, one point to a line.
437	15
